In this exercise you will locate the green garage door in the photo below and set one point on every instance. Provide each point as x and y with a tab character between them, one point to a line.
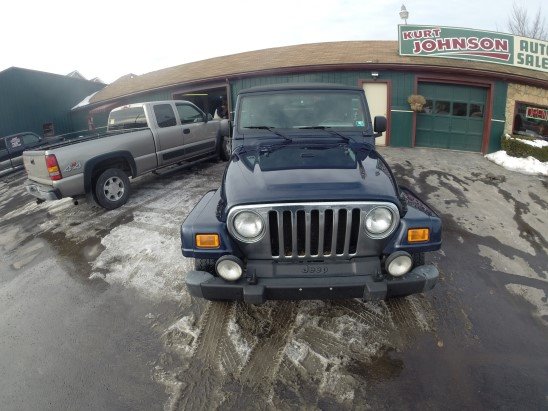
452	117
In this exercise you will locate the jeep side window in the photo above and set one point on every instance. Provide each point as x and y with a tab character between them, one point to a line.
165	117
189	114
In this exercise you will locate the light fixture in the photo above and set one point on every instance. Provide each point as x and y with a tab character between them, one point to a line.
404	14
375	75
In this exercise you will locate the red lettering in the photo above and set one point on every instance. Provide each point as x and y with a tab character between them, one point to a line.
416	47
444	44
473	43
501	45
407	35
459	43
487	43
427	33
436	32
429	45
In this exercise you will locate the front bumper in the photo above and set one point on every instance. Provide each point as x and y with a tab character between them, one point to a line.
42	191
204	285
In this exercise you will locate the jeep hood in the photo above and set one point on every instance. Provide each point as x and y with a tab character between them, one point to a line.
296	173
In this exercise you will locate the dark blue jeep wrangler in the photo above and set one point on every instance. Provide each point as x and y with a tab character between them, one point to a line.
307	208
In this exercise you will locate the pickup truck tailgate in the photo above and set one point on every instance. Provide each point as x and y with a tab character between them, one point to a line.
35	164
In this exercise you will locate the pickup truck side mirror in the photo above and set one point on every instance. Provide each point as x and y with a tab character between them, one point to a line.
225	128
379	125
208	117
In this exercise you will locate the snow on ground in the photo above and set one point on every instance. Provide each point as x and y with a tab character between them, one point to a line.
534	296
143	259
534	143
529	165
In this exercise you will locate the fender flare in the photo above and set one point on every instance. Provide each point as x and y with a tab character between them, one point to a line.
114	155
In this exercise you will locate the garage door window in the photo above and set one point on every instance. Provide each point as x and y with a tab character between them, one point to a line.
460	109
476	110
442	107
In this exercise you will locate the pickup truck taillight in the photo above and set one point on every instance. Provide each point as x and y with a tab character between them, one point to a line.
53	167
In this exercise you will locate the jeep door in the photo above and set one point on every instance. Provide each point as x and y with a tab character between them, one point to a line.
169	134
198	137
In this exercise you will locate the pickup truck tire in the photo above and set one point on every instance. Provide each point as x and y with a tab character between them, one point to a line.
225	152
112	188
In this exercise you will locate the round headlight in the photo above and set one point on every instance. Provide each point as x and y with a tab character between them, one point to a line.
248	225
229	267
398	263
379	220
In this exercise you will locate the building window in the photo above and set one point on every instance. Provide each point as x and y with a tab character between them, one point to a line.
530	119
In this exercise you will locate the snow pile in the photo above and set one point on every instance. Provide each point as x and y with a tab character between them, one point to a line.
534	143
529	165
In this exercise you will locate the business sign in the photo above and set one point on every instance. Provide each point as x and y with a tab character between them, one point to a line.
469	44
536	113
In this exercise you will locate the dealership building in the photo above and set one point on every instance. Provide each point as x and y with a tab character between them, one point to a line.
474	86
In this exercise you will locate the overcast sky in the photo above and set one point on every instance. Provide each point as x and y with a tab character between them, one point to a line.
111	38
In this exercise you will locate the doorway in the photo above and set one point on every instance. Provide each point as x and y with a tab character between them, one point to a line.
377	98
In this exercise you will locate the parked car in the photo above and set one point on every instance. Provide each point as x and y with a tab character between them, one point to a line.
140	138
12	147
307	208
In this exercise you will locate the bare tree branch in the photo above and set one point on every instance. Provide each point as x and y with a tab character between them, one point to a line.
521	24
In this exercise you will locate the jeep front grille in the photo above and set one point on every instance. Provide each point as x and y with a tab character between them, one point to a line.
314	230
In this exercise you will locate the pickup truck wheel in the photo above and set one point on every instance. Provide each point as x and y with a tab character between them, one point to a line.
112	188
205	264
226	153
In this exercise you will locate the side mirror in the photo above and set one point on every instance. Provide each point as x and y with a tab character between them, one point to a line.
379	125
209	117
225	128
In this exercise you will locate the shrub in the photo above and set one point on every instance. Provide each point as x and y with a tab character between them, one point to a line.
416	102
516	148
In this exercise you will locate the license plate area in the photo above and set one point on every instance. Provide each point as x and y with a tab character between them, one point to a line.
327	268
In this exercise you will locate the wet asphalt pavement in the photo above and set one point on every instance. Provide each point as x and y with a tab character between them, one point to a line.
94	313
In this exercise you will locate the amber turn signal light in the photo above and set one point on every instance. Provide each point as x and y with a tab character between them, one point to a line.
208	241
415	235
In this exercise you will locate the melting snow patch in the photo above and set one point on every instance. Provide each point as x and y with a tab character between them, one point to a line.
529	165
534	296
182	334
296	351
534	143
235	334
143	259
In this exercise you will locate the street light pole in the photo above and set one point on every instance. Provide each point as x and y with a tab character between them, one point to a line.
404	14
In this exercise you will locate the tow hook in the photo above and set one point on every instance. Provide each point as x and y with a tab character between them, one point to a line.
39	201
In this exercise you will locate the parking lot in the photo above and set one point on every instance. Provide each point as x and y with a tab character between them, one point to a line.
94	312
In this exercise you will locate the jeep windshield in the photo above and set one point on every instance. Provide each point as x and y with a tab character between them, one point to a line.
308	109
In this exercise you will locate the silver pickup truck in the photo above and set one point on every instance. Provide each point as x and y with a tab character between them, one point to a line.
140	138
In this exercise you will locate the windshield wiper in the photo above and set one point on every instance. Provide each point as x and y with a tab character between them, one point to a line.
271	130
328	129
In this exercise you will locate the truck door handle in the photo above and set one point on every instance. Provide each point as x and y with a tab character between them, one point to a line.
186	130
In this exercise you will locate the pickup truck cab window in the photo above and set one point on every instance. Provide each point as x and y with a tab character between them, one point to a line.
127	118
189	114
29	139
305	109
165	117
